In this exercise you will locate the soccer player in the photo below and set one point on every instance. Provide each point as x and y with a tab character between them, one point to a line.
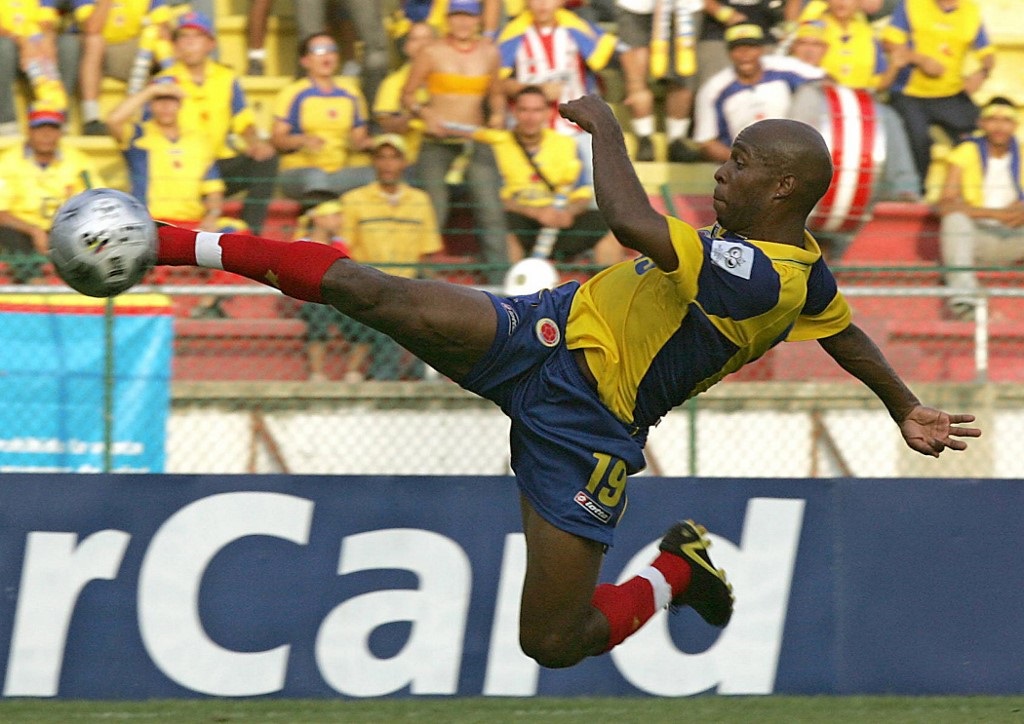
583	371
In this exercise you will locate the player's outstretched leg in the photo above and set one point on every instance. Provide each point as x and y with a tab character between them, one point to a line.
681	575
448	326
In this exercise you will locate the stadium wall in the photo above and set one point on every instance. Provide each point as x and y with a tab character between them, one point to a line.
761	429
148	586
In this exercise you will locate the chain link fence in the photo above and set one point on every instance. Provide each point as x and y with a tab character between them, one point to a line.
241	393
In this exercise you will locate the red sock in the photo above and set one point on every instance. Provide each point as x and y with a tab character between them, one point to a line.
296	268
630	605
676	571
627	607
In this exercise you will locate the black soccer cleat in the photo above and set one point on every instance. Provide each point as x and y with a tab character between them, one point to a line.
709	594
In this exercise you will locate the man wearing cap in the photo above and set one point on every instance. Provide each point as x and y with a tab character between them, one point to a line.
720	15
320	121
388	221
385	223
754	88
172	170
982	202
115	36
214	104
36	177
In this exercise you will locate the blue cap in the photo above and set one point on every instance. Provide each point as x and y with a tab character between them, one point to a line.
199	21
469	7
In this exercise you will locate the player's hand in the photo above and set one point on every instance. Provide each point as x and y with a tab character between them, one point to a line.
930	431
588	112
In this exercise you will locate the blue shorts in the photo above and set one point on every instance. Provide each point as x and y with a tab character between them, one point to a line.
571	456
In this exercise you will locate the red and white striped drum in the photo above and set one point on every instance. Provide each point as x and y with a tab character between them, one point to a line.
849	121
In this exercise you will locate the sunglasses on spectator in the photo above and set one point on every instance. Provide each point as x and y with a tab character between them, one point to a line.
323	49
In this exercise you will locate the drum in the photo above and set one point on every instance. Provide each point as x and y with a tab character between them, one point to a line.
849	120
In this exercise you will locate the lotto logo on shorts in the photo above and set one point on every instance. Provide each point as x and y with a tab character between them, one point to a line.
548	332
513	318
591	507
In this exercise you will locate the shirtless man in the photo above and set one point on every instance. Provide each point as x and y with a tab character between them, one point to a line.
461	71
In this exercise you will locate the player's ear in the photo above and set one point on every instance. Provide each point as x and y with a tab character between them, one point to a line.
785	187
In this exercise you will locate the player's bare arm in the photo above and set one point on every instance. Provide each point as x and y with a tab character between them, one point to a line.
924	429
620	196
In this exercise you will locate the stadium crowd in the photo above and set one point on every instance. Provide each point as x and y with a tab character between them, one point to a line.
465	94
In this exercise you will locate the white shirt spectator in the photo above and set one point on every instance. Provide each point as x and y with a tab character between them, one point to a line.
725	106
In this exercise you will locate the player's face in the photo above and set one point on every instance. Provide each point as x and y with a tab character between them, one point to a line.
532	113
743	189
389	163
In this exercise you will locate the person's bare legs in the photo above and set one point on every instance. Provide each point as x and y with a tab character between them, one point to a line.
558	625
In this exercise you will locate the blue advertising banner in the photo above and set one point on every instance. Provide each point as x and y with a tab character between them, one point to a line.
150	586
53	383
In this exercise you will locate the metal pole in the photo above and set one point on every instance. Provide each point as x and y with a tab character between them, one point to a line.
108	386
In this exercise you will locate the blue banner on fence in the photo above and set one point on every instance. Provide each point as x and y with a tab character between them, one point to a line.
175	586
54	383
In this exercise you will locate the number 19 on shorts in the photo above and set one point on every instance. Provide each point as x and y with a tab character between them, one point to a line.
608	481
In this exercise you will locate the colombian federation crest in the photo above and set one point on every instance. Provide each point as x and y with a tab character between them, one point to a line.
548	332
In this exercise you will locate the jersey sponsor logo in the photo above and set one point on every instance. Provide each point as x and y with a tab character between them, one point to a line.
588	504
642	265
735	258
548	332
513	318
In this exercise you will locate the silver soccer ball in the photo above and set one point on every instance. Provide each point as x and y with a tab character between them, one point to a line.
102	242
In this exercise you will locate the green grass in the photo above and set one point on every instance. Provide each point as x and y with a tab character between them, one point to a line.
700	710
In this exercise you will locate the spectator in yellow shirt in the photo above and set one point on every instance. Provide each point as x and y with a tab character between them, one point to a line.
36	177
937	37
215	104
320	121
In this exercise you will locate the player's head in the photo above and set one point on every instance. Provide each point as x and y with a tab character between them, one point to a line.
998	121
777	171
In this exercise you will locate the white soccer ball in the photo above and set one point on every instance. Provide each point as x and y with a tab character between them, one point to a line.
530	275
102	242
